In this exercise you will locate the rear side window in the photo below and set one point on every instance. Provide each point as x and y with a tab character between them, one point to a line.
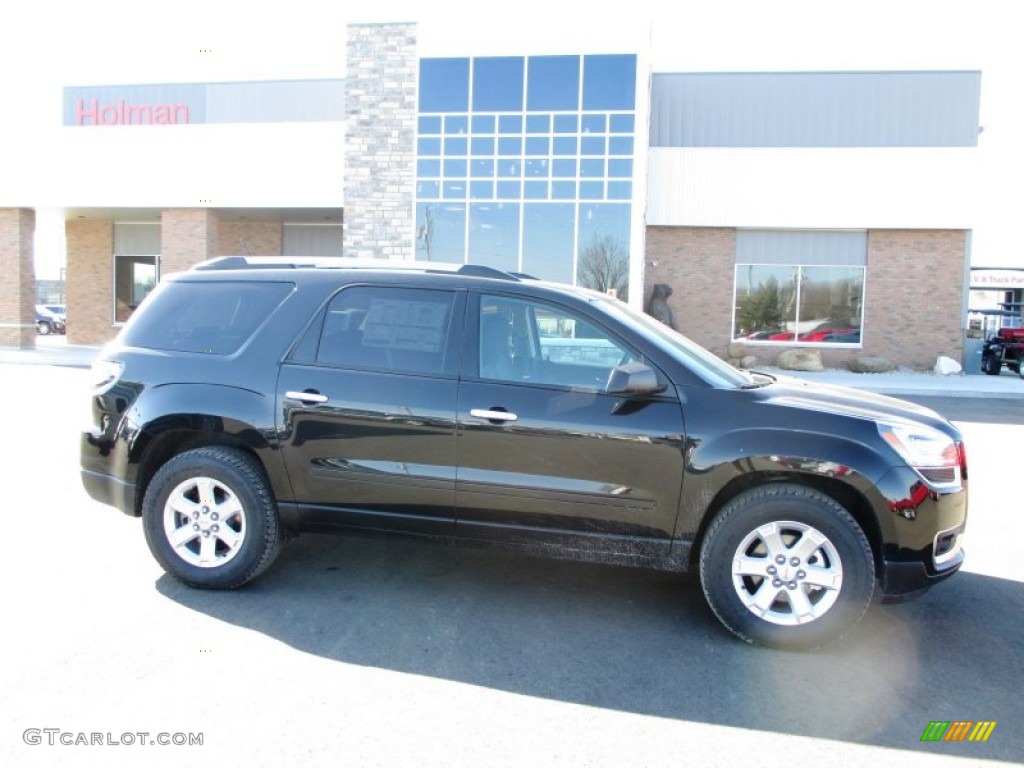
387	328
212	317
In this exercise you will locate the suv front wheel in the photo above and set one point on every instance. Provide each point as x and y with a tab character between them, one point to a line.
786	566
210	518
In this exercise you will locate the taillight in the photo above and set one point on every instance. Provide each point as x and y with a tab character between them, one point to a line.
961	451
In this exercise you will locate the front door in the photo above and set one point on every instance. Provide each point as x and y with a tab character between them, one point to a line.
545	453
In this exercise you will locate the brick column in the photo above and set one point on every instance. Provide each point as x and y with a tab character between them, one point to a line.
90	281
380	131
187	237
18	286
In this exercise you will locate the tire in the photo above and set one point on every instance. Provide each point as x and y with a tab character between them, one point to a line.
819	590
43	328
991	365
220	544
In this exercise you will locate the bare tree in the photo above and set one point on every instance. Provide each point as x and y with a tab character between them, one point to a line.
604	266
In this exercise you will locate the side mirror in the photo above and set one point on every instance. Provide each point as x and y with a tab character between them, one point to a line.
632	380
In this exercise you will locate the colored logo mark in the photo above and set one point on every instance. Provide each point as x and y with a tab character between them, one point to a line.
958	730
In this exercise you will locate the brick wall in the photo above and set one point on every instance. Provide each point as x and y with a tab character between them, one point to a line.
249	238
18	288
187	237
380	130
912	305
90	286
698	264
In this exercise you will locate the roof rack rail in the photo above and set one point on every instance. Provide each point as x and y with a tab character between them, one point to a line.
479	270
345	262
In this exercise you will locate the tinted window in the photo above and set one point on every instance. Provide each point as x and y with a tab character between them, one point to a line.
212	317
396	329
537	343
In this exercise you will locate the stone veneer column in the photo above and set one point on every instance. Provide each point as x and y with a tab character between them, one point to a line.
90	280
187	237
18	288
380	131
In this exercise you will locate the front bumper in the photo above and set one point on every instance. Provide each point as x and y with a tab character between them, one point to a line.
109	490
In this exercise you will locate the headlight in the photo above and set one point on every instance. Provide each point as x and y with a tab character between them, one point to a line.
933	454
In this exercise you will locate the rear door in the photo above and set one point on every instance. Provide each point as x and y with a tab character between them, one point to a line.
545	452
368	418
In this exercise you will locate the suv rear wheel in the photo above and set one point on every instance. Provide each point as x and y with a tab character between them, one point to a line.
210	518
786	566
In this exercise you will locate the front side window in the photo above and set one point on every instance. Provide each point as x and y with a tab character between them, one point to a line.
403	330
799	287
538	343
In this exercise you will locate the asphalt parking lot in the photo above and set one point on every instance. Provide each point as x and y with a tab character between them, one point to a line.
364	652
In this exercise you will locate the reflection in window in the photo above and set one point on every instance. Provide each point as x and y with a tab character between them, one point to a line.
553	83
548	234
609	82
498	84
441	232
809	304
603	247
444	85
134	278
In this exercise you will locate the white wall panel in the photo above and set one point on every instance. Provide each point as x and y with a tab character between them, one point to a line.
813	188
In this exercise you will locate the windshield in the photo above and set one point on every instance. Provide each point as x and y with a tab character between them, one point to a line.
703	363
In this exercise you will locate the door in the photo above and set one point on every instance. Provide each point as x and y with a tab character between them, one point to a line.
368	418
545	452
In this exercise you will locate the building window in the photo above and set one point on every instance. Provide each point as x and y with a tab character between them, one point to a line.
526	163
799	287
136	258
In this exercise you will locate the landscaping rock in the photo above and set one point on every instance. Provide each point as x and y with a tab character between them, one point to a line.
870	364
947	366
800	360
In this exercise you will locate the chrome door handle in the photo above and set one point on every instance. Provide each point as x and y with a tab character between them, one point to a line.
481	413
306	397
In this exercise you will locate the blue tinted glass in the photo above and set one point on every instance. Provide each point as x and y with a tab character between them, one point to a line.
620	145
609	82
563	190
441	232
564	145
591	190
593	123
454	168
510	123
592	168
620	190
538	123
428	168
621	124
483	123
592	145
566	123
454	190
481	190
510	168
430	124
620	169
537	168
481	145
498	84
509	190
456	124
564	168
511	145
482	169
428	146
535	190
444	85
537	145
553	82
455	145
604	225
494	235
548	233
428	189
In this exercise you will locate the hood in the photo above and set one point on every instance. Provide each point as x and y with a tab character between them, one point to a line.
847	401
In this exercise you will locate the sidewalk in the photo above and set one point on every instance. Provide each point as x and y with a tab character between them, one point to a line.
55	351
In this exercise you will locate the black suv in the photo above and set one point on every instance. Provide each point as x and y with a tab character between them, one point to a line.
244	402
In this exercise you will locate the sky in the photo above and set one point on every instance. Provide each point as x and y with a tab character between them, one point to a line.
48	44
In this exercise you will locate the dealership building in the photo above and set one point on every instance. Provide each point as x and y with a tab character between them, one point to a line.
781	209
